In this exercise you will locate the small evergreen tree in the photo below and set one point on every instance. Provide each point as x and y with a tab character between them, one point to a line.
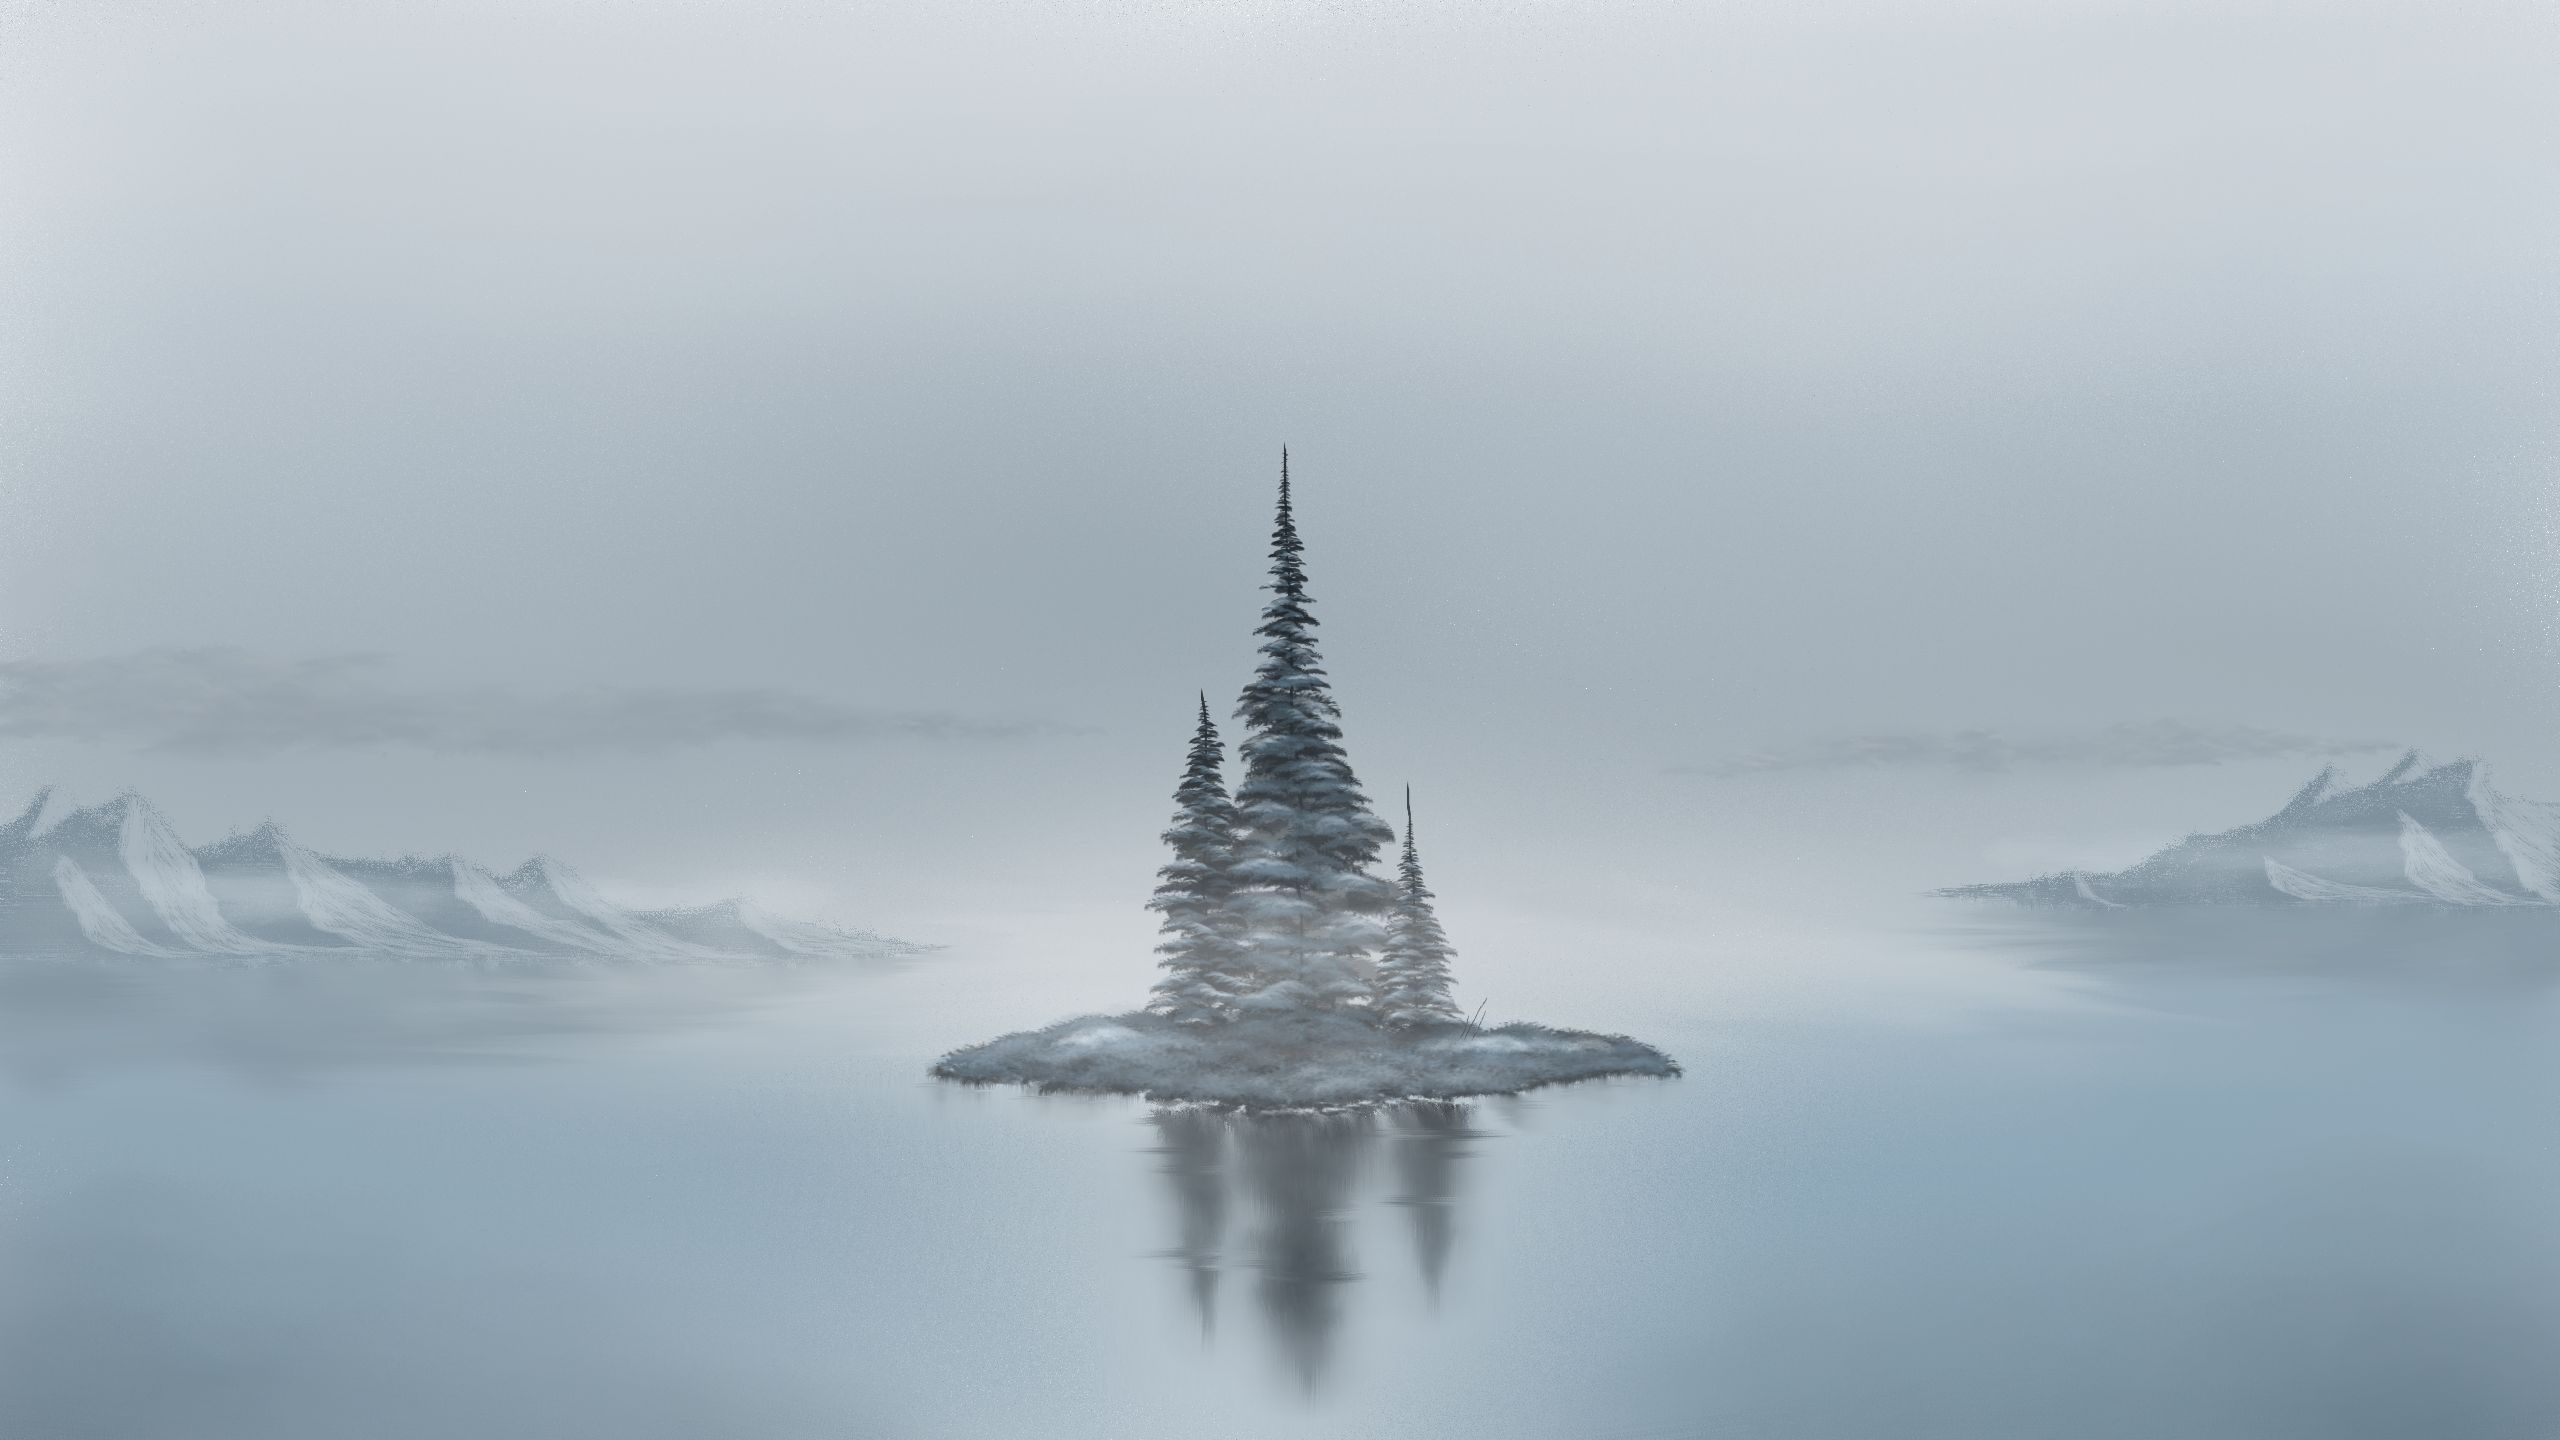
1306	898
1200	946
1413	970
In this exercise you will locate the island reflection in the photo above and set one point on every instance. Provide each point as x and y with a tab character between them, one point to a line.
1275	1193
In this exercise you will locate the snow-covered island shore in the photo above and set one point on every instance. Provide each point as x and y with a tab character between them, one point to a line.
1293	976
1296	1059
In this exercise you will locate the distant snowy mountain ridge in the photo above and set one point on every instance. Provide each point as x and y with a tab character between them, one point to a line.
2432	836
115	878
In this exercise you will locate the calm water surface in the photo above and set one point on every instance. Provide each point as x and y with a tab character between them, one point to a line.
2241	1184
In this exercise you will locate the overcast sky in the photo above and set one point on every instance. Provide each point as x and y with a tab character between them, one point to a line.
824	448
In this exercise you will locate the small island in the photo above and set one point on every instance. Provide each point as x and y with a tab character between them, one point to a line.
1294	975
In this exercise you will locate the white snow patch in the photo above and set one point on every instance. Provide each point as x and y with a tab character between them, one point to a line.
99	920
2081	883
342	905
2526	831
629	932
2303	886
802	937
173	884
1295	1060
2433	869
480	890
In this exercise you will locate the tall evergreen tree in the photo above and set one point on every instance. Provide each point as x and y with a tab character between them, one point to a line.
1413	970
1201	945
1305	894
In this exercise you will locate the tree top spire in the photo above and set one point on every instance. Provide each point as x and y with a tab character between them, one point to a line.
1288	525
1288	572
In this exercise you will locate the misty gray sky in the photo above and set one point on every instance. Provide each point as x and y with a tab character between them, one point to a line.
1669	385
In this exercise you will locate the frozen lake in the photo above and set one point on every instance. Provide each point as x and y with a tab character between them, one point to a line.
2150	1180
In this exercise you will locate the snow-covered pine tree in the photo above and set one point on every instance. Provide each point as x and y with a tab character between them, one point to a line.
1309	904
1201	944
1413	969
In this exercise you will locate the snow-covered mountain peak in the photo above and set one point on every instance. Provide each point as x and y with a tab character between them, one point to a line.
116	877
264	844
2416	834
24	826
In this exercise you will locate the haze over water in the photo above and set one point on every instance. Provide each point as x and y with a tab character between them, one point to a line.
2118	1182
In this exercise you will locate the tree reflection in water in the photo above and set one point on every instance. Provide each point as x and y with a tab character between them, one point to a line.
1194	1144
1301	1176
1431	1138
